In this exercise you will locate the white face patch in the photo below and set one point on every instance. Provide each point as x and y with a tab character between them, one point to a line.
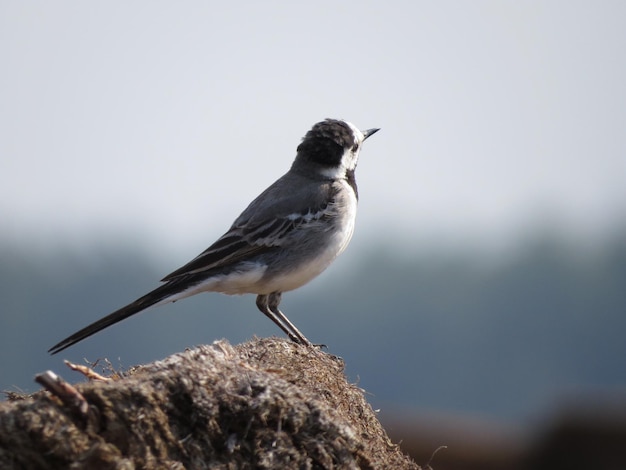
358	135
350	156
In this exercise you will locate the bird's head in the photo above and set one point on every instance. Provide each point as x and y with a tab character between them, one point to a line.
333	146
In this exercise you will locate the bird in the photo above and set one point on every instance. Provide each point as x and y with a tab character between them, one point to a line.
285	237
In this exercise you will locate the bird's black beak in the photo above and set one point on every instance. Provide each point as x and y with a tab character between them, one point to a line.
369	132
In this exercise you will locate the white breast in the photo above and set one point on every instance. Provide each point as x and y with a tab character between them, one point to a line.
349	205
337	243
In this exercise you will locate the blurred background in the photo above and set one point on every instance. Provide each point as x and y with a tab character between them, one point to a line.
482	302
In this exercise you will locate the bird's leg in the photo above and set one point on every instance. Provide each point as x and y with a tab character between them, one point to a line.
268	304
273	302
262	305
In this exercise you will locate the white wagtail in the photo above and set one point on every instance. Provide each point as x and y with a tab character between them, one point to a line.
287	236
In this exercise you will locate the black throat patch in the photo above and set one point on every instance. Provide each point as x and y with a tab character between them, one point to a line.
351	179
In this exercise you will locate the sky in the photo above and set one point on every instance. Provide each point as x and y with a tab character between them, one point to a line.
158	122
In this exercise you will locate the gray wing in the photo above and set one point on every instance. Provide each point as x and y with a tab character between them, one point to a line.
290	203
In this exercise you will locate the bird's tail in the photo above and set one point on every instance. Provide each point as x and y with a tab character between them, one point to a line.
163	294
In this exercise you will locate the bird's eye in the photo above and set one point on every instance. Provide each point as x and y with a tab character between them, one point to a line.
355	148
